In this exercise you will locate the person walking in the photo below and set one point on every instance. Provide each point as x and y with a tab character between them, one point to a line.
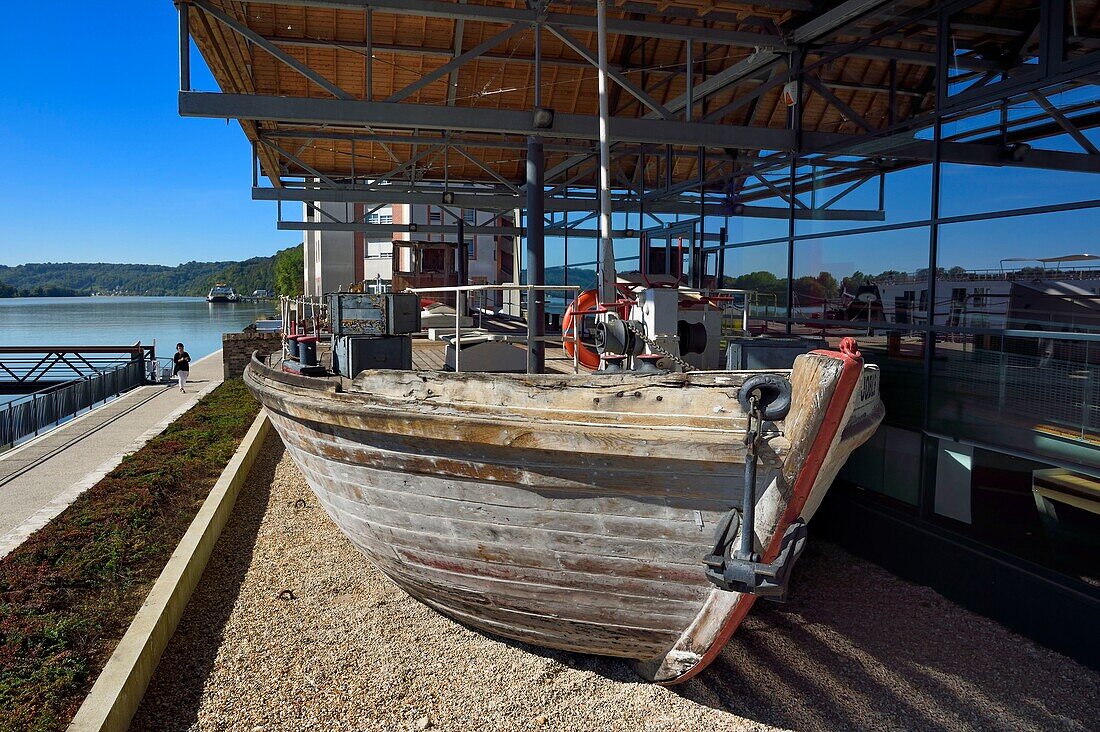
181	361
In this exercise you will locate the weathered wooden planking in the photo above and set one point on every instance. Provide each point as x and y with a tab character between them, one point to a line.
559	510
617	486
703	399
692	484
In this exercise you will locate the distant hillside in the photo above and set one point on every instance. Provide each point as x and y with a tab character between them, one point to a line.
192	278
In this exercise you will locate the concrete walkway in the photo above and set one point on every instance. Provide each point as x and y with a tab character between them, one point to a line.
41	478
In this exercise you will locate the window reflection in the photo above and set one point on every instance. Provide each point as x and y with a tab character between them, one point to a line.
864	278
987	50
1037	394
1082	29
1028	508
1010	274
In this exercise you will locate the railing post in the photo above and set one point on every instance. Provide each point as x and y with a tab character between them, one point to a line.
458	326
34	412
1086	395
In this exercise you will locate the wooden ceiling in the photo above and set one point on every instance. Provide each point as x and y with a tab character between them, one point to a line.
854	93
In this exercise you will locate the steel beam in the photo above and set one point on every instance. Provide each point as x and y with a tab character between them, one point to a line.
536	257
384	230
1064	123
551	205
456	63
633	89
405	116
756	61
366	48
272	49
455	141
834	19
495	14
185	46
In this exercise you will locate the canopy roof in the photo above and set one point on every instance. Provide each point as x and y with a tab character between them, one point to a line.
436	90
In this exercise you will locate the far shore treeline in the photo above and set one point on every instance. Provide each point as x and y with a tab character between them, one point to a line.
281	272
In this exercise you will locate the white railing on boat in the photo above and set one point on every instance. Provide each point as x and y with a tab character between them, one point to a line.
461	291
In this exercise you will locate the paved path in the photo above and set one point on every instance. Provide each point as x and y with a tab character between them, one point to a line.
42	477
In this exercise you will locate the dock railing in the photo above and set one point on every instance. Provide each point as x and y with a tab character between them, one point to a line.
29	414
461	292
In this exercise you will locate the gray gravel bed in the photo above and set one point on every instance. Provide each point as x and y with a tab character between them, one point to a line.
350	651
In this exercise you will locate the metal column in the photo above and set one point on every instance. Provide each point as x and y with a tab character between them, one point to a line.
536	273
606	263
185	46
462	266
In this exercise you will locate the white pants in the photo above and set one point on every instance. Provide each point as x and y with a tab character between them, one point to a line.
182	376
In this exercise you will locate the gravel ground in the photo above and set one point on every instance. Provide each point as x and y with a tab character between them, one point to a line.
350	651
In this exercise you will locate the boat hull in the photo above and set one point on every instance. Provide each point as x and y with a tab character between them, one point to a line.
564	511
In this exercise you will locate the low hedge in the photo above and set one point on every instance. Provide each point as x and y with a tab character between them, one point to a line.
69	592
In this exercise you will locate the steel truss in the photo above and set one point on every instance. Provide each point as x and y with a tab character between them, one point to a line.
732	163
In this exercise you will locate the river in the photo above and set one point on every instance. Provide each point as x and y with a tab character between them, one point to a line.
90	321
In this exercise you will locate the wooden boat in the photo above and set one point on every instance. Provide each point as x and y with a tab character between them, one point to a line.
570	511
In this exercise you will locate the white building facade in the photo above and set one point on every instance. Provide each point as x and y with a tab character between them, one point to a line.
336	260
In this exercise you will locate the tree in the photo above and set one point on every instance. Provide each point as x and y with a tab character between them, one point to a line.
829	283
759	282
290	271
808	287
851	283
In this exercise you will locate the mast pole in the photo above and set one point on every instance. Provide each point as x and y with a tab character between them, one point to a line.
606	262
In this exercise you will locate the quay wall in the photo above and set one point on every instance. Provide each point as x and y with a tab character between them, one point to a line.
237	349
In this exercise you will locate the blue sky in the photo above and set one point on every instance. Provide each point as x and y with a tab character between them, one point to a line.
100	167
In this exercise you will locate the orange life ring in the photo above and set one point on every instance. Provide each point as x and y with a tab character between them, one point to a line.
574	313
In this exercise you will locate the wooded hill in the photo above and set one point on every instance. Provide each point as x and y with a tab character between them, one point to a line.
191	278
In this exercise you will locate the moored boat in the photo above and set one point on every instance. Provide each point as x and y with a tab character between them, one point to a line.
221	292
575	511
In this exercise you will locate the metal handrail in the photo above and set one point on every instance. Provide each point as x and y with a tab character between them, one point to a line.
460	292
29	414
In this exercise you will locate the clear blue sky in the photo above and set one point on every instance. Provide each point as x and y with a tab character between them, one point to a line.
99	165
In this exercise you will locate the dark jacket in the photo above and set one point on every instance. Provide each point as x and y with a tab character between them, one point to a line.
182	362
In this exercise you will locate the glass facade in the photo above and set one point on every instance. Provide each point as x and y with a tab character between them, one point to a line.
958	246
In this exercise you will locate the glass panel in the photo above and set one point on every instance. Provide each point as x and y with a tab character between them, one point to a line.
968	189
1039	395
1044	514
988	49
1024	272
888	464
1082	29
762	270
901	196
861	278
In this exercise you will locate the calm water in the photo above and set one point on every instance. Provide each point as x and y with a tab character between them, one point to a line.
91	321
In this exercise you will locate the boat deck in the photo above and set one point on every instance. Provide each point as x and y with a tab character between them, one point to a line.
428	356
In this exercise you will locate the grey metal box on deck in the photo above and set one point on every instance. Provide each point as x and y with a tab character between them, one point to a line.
768	353
389	313
352	354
